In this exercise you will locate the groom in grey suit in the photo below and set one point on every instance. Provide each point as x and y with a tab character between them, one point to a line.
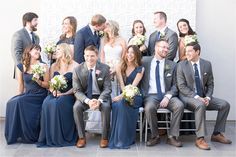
160	90
24	37
92	89
163	31
196	84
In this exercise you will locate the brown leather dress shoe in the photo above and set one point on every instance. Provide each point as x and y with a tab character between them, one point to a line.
81	143
202	144
220	138
153	141
103	143
173	141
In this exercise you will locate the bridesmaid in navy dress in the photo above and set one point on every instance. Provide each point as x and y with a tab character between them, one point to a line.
23	111
69	26
57	122
124	116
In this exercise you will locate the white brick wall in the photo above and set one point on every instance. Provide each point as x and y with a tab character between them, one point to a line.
123	11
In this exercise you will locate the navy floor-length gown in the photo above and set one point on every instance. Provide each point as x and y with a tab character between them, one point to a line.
23	112
57	122
124	118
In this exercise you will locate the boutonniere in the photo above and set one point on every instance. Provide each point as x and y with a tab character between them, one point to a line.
167	67
100	34
97	72
162	35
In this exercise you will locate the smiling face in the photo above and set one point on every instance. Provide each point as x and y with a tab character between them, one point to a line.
183	27
66	26
33	24
138	28
35	53
130	56
161	49
91	58
191	54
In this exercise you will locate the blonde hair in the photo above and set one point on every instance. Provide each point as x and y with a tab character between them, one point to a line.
114	26
67	54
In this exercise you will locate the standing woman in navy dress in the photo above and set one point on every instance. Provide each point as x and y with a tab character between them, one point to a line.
124	116
23	111
57	122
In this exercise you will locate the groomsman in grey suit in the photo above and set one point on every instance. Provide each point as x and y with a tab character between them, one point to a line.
24	37
163	31
196	84
92	89
160	90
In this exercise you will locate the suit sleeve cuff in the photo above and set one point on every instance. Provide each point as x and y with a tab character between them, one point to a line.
101	101
86	101
169	96
208	98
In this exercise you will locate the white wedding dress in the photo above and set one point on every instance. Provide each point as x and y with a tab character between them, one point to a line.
112	58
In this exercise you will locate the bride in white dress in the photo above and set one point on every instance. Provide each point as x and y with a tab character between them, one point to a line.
113	47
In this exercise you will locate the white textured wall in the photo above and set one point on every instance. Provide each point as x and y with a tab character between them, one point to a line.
216	32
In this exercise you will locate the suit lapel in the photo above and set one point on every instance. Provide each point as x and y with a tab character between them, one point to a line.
202	67
91	35
191	71
27	35
84	75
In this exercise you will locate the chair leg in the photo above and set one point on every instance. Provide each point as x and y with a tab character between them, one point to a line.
140	126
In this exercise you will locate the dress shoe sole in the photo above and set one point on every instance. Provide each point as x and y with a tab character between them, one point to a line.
203	148
176	145
215	140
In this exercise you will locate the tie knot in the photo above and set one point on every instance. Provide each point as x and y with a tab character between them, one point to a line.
158	62
90	70
195	65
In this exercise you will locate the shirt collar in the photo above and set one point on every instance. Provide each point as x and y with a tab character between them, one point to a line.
92	29
195	62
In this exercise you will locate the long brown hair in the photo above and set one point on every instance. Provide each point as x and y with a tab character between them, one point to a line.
137	59
26	55
73	23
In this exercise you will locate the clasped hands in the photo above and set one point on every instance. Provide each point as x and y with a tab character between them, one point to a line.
94	104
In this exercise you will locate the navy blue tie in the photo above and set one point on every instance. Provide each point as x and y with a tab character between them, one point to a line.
158	35
158	82
33	37
197	81
97	39
90	84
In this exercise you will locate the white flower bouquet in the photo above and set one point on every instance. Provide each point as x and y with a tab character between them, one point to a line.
129	92
58	82
50	48
112	64
137	40
38	70
189	39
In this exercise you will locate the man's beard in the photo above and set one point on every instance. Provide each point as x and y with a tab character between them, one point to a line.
34	28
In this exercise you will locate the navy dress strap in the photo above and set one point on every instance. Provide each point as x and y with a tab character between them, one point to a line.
20	66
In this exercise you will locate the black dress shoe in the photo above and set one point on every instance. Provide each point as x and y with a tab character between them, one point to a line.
173	141
153	141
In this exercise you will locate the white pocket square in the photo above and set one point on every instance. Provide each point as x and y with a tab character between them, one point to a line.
100	79
168	75
205	74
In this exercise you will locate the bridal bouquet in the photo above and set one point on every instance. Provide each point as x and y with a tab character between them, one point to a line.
50	48
58	82
38	70
129	92
189	39
137	40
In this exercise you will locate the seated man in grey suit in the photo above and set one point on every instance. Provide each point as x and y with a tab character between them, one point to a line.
160	90
92	89
163	31
24	37
195	83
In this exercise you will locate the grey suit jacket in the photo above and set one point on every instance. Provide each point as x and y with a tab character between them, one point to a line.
185	78
80	85
19	42
169	76
172	39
